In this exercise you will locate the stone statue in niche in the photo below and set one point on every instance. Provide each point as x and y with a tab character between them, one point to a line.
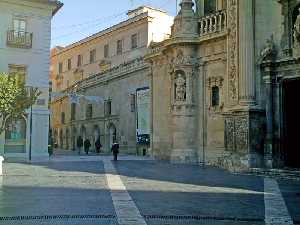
296	35
269	50
180	87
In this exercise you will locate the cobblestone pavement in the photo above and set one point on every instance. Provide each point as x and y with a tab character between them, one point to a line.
88	190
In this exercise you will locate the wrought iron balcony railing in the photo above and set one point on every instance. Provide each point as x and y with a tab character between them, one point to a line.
19	39
213	23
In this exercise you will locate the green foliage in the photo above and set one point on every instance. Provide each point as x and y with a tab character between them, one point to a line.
15	98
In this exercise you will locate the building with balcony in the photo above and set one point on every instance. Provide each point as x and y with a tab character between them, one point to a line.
108	65
25	30
223	85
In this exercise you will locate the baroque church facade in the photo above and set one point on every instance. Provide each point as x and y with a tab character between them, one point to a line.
225	84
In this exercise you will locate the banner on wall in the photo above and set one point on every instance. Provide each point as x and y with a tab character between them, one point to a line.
143	115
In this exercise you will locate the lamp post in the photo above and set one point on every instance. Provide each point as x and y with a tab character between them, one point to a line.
30	90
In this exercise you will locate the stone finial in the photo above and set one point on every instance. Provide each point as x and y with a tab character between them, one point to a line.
185	23
187	8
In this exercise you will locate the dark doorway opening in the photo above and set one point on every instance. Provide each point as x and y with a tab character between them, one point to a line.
291	111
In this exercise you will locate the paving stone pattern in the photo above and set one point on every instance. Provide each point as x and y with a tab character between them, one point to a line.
85	190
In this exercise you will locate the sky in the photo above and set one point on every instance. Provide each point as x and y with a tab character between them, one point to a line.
79	19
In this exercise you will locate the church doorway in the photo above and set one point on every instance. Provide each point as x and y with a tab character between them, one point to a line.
291	112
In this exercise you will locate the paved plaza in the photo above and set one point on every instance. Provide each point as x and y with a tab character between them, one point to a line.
92	190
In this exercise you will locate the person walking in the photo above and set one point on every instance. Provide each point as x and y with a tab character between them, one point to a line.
87	145
98	145
115	150
79	144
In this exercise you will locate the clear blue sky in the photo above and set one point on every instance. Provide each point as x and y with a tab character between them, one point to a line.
78	19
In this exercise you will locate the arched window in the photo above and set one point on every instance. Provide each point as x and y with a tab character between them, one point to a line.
215	97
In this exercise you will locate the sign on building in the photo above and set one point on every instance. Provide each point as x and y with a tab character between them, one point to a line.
143	115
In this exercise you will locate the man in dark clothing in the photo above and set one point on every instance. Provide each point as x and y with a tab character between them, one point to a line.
115	150
87	145
98	145
79	143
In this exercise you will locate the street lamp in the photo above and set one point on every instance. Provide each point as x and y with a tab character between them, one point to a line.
30	91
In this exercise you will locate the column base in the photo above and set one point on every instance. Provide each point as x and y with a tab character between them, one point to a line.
184	156
240	162
269	164
39	158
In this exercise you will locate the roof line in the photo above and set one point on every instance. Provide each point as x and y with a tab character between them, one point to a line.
104	32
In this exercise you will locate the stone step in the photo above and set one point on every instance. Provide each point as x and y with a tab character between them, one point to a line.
293	174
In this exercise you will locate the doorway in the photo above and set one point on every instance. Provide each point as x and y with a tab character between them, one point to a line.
112	135
291	112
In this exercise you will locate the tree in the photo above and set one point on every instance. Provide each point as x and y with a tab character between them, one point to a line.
15	98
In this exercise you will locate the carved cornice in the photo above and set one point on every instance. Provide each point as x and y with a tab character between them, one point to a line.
215	81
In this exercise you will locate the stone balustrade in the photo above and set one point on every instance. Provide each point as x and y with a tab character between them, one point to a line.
213	23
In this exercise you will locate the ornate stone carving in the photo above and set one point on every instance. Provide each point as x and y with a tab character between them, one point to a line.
232	50
215	81
236	134
241	127
268	51
182	60
180	87
230	134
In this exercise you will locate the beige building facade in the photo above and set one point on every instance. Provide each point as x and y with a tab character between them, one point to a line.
222	85
108	65
25	33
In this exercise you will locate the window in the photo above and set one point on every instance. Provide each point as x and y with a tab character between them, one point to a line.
18	71
60	67
134	41
15	134
19	26
79	60
17	35
106	51
107	107
89	111
93	56
69	64
119	47
73	111
63	118
215	99
210	6
132	102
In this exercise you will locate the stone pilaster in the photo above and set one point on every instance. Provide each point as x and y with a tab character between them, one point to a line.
268	148
184	120
246	53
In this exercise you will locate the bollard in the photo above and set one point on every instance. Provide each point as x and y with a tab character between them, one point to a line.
1	160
